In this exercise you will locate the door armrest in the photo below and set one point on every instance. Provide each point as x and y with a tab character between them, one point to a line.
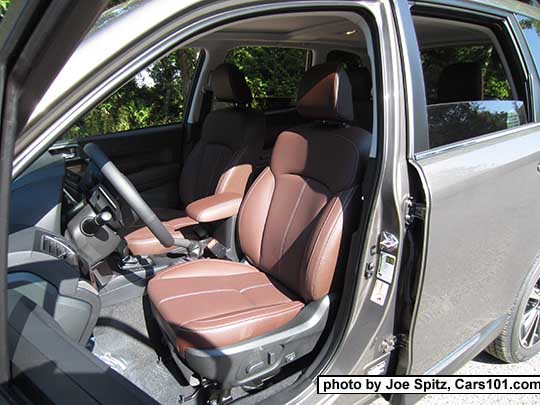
215	207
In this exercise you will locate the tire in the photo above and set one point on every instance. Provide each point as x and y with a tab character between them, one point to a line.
514	345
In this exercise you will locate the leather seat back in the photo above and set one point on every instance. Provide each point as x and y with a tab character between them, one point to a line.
231	140
297	216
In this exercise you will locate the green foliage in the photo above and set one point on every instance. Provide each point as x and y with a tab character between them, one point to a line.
271	73
156	96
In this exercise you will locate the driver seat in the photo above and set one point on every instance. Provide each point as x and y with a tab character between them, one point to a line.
233	322
220	163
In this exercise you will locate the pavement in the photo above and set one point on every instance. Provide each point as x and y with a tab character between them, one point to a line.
485	364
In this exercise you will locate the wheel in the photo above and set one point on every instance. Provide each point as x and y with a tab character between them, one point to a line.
520	338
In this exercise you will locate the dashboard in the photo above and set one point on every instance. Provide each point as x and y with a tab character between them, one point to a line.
36	195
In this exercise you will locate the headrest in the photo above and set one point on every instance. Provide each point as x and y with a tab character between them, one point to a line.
325	94
461	82
361	83
229	84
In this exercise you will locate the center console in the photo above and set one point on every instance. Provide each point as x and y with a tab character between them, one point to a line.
121	279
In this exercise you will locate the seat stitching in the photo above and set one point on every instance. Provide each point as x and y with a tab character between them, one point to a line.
195	293
319	236
255	286
160	275
248	196
332	230
297	203
247	311
240	321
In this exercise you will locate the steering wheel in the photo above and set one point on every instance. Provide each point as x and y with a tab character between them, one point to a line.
128	192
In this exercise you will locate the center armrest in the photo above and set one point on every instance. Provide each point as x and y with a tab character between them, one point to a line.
215	207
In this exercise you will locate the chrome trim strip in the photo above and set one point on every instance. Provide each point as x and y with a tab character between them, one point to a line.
473	141
107	197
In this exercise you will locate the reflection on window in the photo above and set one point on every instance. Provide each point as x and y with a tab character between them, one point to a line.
453	122
531	30
436	60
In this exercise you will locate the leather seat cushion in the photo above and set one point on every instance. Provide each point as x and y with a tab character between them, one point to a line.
143	242
213	303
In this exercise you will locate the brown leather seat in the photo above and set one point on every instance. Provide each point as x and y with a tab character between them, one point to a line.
220	162
294	224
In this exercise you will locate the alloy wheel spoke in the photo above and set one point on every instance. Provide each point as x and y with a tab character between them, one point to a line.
530	325
535	295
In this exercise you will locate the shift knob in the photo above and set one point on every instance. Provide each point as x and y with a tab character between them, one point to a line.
90	226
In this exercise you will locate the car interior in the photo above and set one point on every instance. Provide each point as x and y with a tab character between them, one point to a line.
206	259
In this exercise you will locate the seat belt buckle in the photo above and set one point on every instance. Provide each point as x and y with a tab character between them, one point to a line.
217	249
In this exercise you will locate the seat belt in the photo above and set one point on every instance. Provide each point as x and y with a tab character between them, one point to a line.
194	133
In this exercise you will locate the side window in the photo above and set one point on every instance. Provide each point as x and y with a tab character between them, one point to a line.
531	30
469	89
155	96
349	60
273	74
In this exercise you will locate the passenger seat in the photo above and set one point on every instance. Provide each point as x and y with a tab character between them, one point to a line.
220	163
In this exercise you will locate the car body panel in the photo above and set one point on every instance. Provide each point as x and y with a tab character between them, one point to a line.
483	239
480	234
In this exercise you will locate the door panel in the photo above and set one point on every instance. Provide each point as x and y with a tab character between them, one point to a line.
150	157
483	238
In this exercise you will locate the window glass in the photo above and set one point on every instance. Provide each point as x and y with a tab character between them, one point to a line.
349	60
531	30
468	90
453	122
155	96
273	74
436	60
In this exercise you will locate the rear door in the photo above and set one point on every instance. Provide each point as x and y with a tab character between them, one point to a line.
36	39
141	127
478	157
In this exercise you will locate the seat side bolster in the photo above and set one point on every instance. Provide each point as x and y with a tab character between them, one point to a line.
254	213
325	245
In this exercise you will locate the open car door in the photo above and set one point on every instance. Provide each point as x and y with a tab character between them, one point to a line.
36	39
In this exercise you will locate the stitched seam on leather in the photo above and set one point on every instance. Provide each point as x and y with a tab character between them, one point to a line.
243	320
332	230
287	229
317	241
267	215
254	286
174	297
164	272
246	199
247	311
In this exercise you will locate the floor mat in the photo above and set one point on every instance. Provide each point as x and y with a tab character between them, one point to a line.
126	339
